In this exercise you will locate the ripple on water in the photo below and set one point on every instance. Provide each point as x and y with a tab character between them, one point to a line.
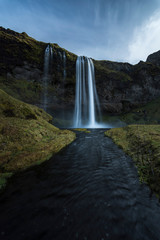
90	190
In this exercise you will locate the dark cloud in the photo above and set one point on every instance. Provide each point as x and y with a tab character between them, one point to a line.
102	29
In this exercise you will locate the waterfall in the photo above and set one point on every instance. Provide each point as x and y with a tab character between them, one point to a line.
87	105
64	66
51	59
48	57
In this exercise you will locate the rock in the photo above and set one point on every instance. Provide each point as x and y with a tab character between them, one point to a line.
21	68
113	107
154	58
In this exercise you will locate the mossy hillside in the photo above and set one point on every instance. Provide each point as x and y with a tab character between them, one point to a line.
62	122
102	71
28	142
26	136
147	114
58	66
127	72
28	91
15	48
11	107
145	67
69	55
142	143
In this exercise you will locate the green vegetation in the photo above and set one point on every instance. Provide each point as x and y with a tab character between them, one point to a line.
142	143
60	122
147	114
81	130
26	136
20	52
149	68
70	56
21	89
113	120
18	47
3	179
102	70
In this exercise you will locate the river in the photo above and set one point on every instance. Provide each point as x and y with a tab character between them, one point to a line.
89	191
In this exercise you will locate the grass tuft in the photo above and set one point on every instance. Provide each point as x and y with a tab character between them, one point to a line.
142	143
26	136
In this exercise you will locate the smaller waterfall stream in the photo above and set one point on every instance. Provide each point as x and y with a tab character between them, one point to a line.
48	58
87	106
64	66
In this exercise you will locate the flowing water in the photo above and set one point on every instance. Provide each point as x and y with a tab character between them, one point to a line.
64	67
48	58
64	82
87	105
89	191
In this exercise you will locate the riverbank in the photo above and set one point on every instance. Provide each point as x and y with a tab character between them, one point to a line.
142	143
90	190
26	136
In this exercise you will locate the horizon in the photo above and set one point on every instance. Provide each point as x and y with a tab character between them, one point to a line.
121	31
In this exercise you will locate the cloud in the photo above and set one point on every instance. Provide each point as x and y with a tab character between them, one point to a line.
102	29
146	39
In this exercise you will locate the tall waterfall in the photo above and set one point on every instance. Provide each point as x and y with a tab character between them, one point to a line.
48	57
87	106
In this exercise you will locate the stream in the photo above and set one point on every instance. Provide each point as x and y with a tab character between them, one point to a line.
89	191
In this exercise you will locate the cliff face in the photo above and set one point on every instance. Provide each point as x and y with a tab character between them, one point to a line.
22	69
121	86
154	58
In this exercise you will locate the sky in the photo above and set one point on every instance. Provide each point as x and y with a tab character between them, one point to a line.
116	30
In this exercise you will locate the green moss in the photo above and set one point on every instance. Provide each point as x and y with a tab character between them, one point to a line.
81	130
11	107
69	55
149	68
17	47
3	179
147	114
26	136
142	143
102	70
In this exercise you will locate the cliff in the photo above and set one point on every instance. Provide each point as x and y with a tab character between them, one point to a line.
121	87
154	58
21	69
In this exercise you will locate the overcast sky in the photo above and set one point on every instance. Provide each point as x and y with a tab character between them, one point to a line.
118	30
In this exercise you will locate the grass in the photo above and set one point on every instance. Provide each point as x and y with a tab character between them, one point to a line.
28	91
142	143
147	114
3	179
26	136
20	46
101	69
81	130
19	49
